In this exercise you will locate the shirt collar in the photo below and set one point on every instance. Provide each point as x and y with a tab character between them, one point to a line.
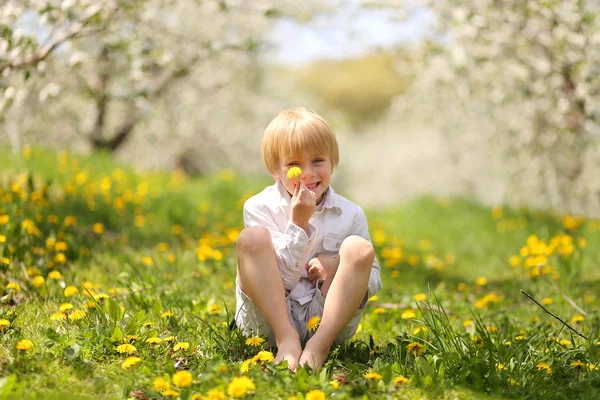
330	200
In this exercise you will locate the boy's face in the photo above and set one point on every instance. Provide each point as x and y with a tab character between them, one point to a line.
316	173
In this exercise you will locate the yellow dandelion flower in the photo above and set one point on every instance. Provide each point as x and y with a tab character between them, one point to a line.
371	375
467	322
14	286
147	324
76	315
294	172
419	297
577	364
245	367
4	219
481	281
313	323
170	393
65	307
546	301
263	356
58	316
167	314
214	309
181	346
254	341
500	367
54	275
401	380
98	228
71	291
154	340
182	379
315	394
169	339
335	384
38	281
147	261
130	362
161	384
577	318
2	238
415	348
126	348
592	367
544	366
379	310
239	386
213	394
408	314
24	345
4	323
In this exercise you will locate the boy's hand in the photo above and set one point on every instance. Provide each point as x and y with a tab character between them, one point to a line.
319	267
304	203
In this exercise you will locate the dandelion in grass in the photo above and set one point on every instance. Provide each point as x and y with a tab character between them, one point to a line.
126	348
76	315
58	316
313	323
373	376
577	318
167	314
98	228
379	310
512	382
154	340
214	309
70	291
240	386
467	322
335	385
170	393
2	238
254	341
415	348
315	394
420	297
401	380
161	384
408	314
24	345
169	339
183	346
55	275
4	219
419	329
592	367
14	286
4	323
213	394
294	172
182	379
481	281
577	364
542	366
130	362
500	367
38	281
245	367
263	356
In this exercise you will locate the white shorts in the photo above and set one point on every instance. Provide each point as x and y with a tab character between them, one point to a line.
252	323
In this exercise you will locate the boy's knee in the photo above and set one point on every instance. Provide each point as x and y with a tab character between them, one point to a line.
359	249
253	238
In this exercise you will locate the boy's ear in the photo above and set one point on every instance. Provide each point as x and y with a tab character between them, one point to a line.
276	177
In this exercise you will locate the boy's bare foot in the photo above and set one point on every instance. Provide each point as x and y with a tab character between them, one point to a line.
314	355
290	350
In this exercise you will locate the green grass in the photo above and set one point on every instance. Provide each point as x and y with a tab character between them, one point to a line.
167	245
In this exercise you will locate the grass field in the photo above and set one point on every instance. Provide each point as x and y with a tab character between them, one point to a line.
120	284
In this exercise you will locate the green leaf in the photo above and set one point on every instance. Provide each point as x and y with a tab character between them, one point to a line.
117	335
72	352
6	384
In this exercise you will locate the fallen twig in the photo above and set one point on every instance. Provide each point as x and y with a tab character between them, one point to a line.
543	308
564	296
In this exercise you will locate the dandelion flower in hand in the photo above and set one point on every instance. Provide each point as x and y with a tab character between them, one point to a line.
294	172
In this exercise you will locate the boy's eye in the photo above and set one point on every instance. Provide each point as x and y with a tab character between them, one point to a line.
293	164
318	160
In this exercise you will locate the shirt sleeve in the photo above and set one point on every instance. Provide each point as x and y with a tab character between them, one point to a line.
291	244
361	228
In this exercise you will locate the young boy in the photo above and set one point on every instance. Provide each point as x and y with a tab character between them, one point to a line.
305	251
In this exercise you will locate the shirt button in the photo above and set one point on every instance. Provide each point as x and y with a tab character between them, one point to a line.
296	265
337	245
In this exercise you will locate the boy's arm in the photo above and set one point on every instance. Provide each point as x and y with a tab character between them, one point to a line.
291	245
361	228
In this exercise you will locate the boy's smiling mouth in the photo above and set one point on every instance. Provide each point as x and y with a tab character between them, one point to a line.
312	186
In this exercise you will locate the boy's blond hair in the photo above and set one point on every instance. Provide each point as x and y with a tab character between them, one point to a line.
294	131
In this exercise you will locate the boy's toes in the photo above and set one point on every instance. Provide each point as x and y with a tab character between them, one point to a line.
290	352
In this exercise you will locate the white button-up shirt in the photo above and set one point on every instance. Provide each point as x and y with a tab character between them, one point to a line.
334	219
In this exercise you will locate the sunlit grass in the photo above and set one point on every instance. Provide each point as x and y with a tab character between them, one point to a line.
99	262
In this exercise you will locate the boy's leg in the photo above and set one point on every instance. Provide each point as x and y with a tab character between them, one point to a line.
344	290
260	279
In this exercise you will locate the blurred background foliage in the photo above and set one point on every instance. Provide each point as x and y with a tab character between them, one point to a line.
497	101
